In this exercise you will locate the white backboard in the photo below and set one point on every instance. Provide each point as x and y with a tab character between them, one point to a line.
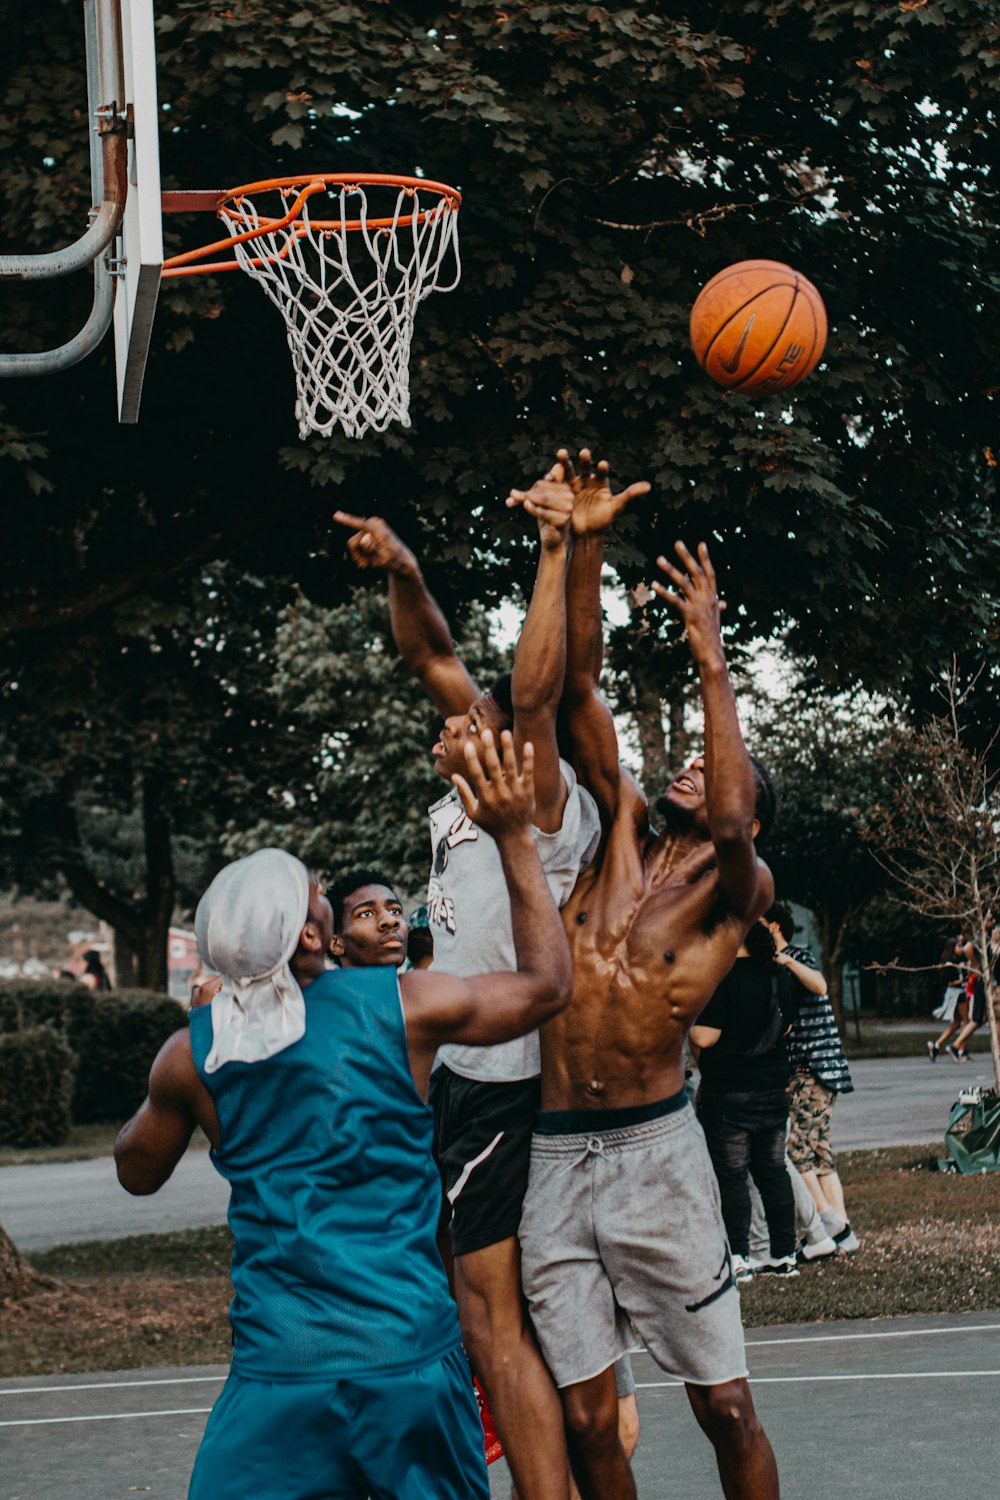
141	248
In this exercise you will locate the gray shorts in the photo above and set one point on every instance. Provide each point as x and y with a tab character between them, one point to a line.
622	1229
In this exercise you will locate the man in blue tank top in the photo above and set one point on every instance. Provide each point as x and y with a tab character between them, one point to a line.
348	1379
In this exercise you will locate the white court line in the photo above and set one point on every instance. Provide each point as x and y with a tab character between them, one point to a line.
111	1416
653	1385
112	1385
641	1385
901	1333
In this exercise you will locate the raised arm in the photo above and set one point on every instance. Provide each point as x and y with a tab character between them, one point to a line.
488	1008
149	1146
419	628
591	725
730	791
810	979
540	659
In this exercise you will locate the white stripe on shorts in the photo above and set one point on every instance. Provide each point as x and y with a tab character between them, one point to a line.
470	1167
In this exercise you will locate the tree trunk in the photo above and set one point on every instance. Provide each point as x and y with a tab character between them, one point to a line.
126	962
160	885
831	941
680	740
649	723
993	1015
141	931
17	1277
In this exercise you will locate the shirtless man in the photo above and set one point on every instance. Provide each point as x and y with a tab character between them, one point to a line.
485	1099
622	1218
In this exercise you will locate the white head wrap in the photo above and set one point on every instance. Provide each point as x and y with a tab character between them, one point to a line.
248	924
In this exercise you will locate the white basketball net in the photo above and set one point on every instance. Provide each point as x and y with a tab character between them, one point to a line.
348	297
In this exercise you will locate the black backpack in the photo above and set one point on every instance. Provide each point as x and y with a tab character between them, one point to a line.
774	1027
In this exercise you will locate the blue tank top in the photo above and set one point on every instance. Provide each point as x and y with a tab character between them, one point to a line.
335	1195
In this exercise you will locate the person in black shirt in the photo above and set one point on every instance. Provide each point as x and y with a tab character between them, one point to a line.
742	1099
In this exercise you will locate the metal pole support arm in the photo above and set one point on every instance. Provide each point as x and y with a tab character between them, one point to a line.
50	361
104	69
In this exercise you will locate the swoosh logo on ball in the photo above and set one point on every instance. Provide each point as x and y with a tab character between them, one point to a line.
732	364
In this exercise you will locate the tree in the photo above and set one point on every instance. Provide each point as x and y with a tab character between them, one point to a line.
612	158
823	757
18	1278
937	832
365	776
120	768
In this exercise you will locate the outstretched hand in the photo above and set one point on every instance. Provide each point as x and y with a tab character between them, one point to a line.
696	600
496	794
374	543
204	994
550	501
595	508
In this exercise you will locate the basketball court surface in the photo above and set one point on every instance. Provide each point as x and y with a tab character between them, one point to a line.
903	1409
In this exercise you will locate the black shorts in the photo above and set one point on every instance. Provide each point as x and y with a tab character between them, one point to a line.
977	1012
482	1145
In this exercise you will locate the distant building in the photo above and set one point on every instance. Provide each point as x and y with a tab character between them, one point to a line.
182	962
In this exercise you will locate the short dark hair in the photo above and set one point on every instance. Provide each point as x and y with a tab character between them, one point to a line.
759	943
766	803
779	913
346	884
500	692
419	944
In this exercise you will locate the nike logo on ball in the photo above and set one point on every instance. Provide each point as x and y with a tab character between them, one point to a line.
732	364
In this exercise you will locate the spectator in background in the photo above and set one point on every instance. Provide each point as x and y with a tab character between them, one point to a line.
743	1099
954	1007
977	988
820	1073
420	943
85	967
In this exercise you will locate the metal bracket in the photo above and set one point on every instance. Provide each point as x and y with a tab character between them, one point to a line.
114	121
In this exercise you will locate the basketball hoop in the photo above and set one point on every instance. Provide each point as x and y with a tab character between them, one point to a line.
347	283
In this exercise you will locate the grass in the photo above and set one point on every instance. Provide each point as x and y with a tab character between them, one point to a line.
930	1243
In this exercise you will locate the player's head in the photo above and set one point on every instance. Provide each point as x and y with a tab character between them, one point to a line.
492	710
683	803
778	915
263	926
760	945
369	928
420	947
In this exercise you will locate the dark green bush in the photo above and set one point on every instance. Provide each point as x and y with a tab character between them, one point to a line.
11	1014
37	1002
36	1087
116	1036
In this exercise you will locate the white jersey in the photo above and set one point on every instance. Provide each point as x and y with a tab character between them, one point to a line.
468	910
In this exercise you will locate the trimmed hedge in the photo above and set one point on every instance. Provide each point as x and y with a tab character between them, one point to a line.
114	1038
38	1002
36	1087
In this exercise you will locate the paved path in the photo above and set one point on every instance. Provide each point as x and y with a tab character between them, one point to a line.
902	1101
82	1200
902	1409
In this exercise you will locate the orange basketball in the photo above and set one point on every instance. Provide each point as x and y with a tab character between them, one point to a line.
758	327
